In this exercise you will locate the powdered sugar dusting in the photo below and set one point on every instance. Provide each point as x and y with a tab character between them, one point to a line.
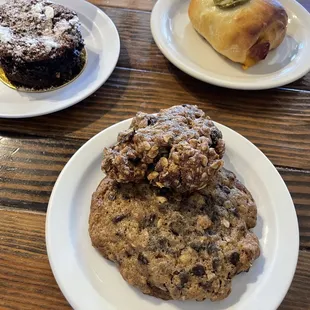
5	34
37	29
38	8
49	12
74	20
30	41
49	43
61	27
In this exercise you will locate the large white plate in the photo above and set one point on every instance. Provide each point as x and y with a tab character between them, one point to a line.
89	281
186	49
103	48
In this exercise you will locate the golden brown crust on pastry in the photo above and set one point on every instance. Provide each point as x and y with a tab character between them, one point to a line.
244	34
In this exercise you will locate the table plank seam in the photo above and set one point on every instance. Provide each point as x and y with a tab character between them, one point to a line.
16	135
294	89
21	210
106	6
304	249
102	7
290	169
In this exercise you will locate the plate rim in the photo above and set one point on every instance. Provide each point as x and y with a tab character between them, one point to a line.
293	252
93	87
164	6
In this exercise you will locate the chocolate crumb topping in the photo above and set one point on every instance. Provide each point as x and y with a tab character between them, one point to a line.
33	30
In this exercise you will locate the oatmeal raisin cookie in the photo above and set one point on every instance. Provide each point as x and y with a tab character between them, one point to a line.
178	148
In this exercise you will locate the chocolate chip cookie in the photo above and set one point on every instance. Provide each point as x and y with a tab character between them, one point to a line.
176	245
178	148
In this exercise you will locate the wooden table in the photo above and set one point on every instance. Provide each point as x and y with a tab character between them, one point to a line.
34	151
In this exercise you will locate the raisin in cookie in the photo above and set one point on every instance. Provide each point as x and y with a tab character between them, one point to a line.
177	148
176	246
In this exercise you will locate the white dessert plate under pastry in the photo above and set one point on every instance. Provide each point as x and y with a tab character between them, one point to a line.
89	281
102	45
190	52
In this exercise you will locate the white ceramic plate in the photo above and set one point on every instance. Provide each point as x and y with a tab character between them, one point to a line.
103	48
89	281
186	49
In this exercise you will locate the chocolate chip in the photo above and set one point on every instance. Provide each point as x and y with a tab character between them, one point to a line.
163	242
242	230
177	228
148	221
184	277
234	258
142	259
214	216
215	263
209	202
215	136
234	211
127	254
210	232
230	175
199	270
112	197
135	160
119	218
126	196
197	246
152	120
226	189
206	285
125	137
212	248
163	191
151	219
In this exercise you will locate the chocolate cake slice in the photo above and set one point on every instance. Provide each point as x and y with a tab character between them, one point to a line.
40	43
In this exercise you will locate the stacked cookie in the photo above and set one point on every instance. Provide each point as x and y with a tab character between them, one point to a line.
174	220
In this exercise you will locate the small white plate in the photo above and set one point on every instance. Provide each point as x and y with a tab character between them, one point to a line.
186	49
89	281
103	47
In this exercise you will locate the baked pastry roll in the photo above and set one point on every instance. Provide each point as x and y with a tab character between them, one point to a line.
244	33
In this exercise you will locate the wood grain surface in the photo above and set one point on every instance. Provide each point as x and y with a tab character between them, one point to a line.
143	5
26	281
34	151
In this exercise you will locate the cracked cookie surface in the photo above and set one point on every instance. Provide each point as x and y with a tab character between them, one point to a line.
176	245
178	148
